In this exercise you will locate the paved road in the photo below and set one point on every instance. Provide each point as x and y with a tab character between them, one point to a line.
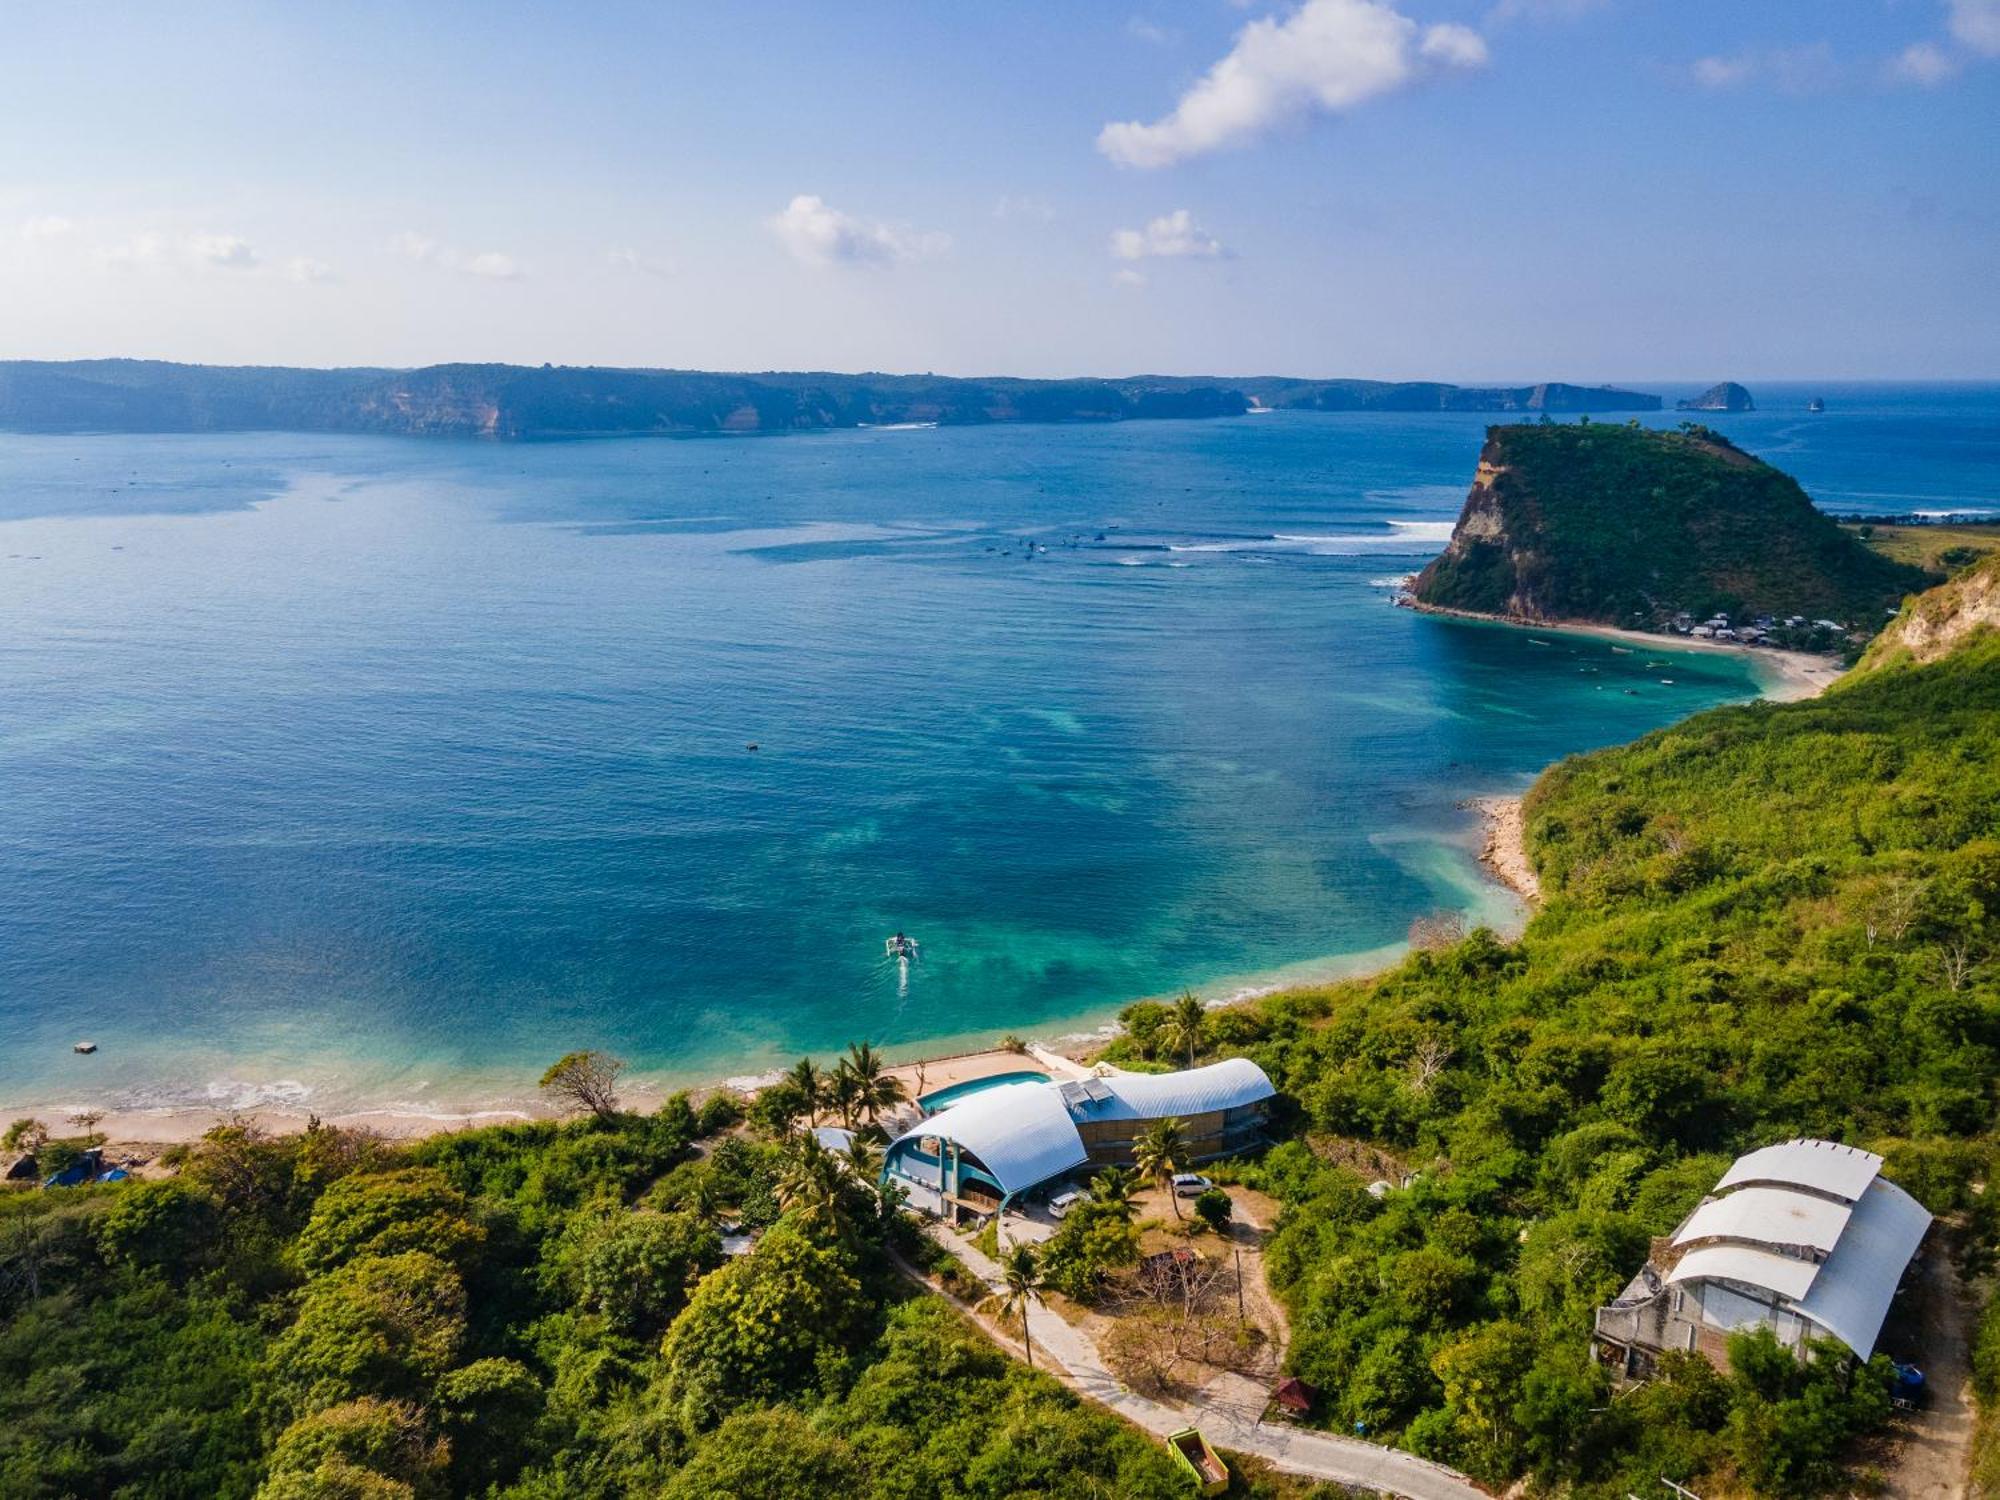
1232	1422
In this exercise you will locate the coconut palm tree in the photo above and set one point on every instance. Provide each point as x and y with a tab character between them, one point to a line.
1114	1187
1020	1279
1187	1023
876	1089
810	1081
1161	1152
810	1183
843	1094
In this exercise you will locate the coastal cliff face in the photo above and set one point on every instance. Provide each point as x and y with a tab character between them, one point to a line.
1933	625
1728	396
1628	526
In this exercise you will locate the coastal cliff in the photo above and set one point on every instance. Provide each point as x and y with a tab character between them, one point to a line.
1628	526
518	401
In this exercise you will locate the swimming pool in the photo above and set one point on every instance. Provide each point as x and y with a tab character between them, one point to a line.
958	1093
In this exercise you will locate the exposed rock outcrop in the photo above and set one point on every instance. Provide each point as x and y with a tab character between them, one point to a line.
1934	624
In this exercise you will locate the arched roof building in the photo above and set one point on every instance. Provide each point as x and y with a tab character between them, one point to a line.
990	1148
1805	1237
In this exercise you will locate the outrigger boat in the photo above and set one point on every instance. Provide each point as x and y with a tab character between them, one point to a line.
900	947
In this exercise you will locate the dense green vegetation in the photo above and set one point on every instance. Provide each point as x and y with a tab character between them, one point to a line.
1624	525
529	1311
1767	921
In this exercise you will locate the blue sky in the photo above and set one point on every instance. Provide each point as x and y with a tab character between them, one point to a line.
1456	189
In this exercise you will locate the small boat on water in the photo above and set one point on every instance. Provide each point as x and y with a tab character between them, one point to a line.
900	947
1816	405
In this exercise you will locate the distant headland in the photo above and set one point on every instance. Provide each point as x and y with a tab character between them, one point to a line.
521	401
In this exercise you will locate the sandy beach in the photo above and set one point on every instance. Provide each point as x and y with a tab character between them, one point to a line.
143	1133
1782	676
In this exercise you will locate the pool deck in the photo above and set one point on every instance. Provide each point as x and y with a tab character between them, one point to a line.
966	1067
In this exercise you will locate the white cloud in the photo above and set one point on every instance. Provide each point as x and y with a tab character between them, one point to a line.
1146	31
1924	64
141	250
307	271
1329	55
1723	72
1173	236
493	265
228	252
1126	276
625	258
46	227
818	234
1975	24
1455	46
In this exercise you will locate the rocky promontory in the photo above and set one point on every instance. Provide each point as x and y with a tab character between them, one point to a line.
1728	396
1628	526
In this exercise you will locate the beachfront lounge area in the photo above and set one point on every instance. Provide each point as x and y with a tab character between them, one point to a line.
987	1150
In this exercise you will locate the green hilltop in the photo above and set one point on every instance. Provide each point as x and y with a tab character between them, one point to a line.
1625	525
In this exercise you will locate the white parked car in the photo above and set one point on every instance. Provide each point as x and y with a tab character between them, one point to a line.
1062	1203
1190	1184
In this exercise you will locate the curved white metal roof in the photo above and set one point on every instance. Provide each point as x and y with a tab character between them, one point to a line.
1850	1296
1768	1216
1782	1274
1159	1096
1021	1133
1823	1166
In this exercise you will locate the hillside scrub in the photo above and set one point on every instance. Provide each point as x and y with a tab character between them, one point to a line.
1765	922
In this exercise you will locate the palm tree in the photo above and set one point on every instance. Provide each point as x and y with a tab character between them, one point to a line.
1161	1152
876	1089
864	1160
843	1093
1020	1278
1187	1022
807	1078
809	1186
1113	1187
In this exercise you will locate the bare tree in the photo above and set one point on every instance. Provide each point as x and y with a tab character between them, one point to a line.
1432	1056
585	1081
1956	959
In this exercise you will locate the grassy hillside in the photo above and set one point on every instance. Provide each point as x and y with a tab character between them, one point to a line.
1627	526
1764	922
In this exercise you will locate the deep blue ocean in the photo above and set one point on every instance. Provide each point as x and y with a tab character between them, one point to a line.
349	770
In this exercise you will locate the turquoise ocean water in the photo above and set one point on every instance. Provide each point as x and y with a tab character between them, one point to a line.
344	770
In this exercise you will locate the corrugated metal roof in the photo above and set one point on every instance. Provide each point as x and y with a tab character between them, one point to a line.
1194	1091
1021	1133
1824	1166
1851	1295
1782	1274
1767	1216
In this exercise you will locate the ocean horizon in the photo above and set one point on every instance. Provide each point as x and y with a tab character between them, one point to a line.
352	772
